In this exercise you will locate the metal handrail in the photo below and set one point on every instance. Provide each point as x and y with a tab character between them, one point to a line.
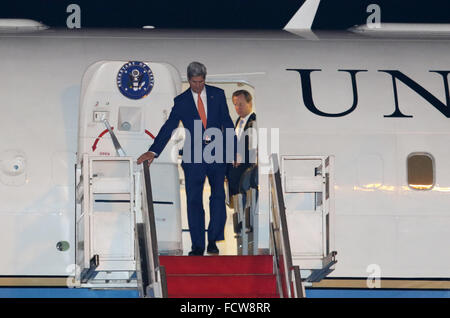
155	276
288	276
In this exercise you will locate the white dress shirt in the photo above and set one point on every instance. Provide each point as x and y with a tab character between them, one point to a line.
240	127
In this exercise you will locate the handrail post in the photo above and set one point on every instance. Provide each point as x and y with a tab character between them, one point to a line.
157	272
151	213
298	287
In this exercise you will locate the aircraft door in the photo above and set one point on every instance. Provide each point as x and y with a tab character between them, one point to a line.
135	98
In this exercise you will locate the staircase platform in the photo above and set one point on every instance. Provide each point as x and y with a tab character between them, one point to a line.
220	276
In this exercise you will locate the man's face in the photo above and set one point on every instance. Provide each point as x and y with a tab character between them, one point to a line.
243	108
197	83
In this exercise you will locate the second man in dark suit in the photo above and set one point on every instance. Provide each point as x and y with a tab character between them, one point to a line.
246	156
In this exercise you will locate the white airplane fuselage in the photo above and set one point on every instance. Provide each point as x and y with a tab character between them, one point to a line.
373	102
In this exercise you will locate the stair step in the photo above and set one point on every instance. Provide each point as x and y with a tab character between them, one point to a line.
221	285
258	264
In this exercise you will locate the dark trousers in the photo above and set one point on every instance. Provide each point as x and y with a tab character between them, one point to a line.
234	176
195	175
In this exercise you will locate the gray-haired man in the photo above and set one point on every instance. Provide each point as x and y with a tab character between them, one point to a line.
205	106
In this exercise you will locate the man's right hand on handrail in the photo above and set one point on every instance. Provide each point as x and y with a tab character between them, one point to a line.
146	156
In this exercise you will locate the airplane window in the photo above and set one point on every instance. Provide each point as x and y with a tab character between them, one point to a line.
420	171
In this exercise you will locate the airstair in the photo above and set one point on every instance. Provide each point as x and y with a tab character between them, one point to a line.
116	222
301	196
117	245
116	233
247	275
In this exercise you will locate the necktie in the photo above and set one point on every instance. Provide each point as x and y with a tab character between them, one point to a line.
241	123
201	110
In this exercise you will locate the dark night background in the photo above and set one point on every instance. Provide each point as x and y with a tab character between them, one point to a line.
230	14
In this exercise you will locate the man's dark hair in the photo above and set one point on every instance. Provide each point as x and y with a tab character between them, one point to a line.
247	95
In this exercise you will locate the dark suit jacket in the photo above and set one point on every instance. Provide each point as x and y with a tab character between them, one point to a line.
234	174
184	110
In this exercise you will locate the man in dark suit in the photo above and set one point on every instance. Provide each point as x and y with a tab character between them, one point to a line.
203	110
246	157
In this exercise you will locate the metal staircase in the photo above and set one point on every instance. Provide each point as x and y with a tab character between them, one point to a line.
116	233
288	278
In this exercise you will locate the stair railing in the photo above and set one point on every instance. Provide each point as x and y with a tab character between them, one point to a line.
152	276
288	276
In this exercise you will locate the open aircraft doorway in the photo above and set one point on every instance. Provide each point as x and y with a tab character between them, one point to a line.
239	240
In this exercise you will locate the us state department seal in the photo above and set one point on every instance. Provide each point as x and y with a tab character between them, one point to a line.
135	80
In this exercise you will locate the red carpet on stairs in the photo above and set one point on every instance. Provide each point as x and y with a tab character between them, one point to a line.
220	276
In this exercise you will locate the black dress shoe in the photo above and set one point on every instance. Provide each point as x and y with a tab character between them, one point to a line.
196	252
212	248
